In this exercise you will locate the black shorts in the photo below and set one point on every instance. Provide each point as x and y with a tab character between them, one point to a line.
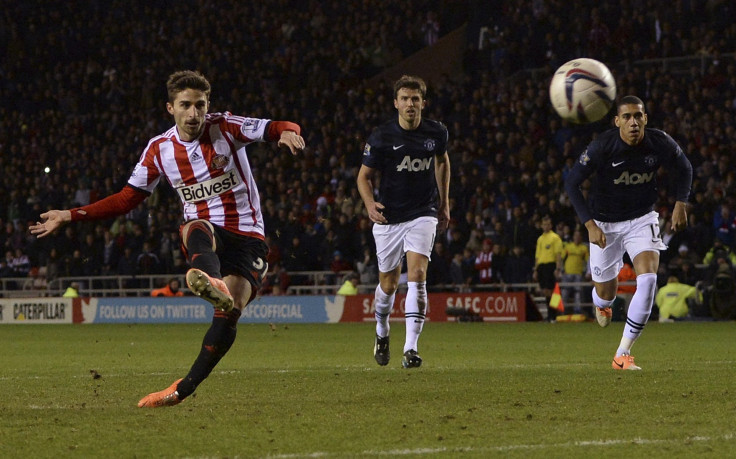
240	255
546	275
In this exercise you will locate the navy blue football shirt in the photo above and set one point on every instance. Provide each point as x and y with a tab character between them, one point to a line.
406	161
624	186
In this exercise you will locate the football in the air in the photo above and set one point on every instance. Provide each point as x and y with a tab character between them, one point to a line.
582	90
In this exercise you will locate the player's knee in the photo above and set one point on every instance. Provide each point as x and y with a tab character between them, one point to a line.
243	294
389	286
198	236
417	274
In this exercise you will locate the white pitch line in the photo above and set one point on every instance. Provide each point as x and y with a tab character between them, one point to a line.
507	448
357	368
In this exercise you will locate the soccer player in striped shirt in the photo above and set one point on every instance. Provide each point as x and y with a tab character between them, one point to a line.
203	157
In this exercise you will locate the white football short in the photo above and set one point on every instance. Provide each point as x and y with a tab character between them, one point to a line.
393	240
631	236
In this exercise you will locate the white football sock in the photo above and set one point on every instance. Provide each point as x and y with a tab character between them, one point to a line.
384	303
414	312
639	310
600	302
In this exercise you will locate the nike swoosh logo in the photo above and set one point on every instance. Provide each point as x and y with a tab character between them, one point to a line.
617	164
396	148
620	365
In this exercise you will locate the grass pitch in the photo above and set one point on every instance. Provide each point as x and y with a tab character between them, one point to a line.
485	390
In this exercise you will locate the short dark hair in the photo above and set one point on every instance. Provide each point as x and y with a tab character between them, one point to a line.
187	79
630	100
410	82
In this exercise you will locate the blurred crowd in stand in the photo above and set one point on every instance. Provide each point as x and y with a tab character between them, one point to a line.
85	86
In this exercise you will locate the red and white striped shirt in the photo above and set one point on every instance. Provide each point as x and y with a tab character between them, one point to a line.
211	174
484	266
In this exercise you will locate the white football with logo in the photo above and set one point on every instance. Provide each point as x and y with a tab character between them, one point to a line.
582	90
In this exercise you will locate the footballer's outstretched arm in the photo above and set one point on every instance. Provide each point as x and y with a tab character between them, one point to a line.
119	203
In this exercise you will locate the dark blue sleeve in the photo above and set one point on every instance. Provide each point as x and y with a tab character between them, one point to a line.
684	171
580	171
371	155
446	138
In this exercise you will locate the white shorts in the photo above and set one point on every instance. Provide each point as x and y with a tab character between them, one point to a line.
630	236
392	241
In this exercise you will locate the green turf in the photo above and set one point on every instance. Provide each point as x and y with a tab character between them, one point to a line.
485	390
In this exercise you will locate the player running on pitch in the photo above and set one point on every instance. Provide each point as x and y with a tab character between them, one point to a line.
204	159
410	153
622	166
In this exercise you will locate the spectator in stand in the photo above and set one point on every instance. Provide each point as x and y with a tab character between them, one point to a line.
110	254
672	300
368	267
724	224
684	255
485	265
66	242
329	245
438	272
53	262
5	269
295	256
21	263
277	281
350	286
126	267
457	242
339	264
9	257
74	264
717	252
13	236
468	265
147	262
274	251
518	231
687	273
518	267
699	236
431	29
460	276
170	289
92	254
165	251
72	291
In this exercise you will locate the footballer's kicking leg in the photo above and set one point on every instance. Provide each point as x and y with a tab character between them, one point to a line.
216	343
200	243
415	307
384	302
